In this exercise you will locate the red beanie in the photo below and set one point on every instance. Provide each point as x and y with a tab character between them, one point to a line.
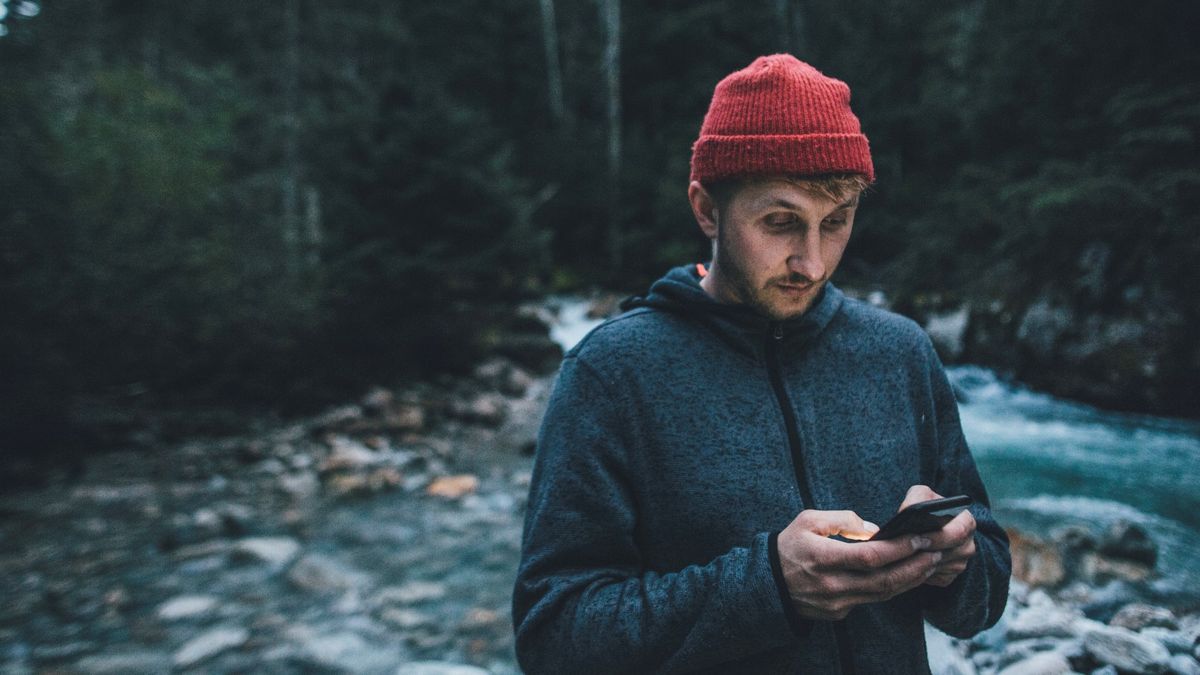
780	115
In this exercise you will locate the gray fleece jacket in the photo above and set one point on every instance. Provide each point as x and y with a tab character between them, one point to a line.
682	436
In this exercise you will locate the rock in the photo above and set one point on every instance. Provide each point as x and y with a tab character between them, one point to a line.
453	487
347	455
1136	616
274	551
186	607
337	418
208	645
538	353
944	656
346	485
412	593
299	485
1105	670
1035	561
1176	642
438	668
1041	663
1042	623
486	409
1129	541
321	574
947	332
405	619
347	652
1126	650
377	401
123	663
1182	664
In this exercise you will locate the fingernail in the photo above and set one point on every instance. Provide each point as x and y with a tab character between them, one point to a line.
869	526
920	543
937	557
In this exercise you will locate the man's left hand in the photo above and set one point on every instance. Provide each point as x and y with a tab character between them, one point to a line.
956	540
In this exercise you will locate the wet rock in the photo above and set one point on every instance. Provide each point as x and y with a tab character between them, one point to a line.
124	663
947	332
299	485
438	668
186	607
1126	650
209	644
1042	623
337	418
1105	670
1182	664
412	592
1042	663
1136	616
347	652
405	619
489	410
1176	642
501	375
537	353
274	551
318	573
1035	561
358	484
1129	541
347	455
453	487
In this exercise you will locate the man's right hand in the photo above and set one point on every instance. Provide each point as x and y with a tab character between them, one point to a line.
827	578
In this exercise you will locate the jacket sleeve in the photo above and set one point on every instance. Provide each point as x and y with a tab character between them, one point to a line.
583	601
976	599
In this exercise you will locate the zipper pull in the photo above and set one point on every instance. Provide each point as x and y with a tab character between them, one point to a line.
778	331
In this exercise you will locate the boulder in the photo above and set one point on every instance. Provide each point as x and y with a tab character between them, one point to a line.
1137	615
1129	541
1126	650
207	645
1041	663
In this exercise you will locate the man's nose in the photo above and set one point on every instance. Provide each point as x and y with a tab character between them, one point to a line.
805	260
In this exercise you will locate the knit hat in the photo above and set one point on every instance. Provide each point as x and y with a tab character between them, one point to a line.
780	115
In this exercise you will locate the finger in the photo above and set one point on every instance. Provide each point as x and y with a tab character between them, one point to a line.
954	533
847	524
869	556
896	578
918	493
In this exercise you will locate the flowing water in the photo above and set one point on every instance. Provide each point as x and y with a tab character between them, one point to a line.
1048	462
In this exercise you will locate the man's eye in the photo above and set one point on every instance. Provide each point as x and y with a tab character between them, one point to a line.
834	223
783	222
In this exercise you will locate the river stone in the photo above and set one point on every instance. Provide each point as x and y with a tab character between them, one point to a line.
186	606
208	645
412	593
1126	650
438	668
1041	663
1129	541
320	573
1176	642
1137	615
1039	622
1182	664
274	551
123	663
1105	670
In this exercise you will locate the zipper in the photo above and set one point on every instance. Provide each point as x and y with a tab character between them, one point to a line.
775	373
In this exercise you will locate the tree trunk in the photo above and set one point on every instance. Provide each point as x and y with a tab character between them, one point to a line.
554	86
291	141
611	10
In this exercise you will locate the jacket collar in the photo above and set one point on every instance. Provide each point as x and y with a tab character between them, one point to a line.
679	291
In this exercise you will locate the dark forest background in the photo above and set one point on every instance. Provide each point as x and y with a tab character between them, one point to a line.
273	205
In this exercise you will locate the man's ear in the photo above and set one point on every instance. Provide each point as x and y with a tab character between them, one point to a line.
703	208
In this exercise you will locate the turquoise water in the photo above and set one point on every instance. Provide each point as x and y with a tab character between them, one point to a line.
1048	462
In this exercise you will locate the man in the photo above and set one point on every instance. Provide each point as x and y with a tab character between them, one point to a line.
702	450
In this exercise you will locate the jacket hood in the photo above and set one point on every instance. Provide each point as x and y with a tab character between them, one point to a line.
679	292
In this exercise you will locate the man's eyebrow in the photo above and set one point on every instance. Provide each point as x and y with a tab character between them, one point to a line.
783	203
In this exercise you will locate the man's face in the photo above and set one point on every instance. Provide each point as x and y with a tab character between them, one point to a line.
777	245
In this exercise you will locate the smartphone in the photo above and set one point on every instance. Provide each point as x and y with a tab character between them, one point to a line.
923	517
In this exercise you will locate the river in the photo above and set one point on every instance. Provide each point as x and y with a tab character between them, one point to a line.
1049	462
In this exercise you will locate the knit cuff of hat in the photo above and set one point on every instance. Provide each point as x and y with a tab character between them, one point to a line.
718	157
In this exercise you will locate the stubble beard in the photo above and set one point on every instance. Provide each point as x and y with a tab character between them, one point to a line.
737	279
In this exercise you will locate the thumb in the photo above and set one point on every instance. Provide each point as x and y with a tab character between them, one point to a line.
918	493
844	523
